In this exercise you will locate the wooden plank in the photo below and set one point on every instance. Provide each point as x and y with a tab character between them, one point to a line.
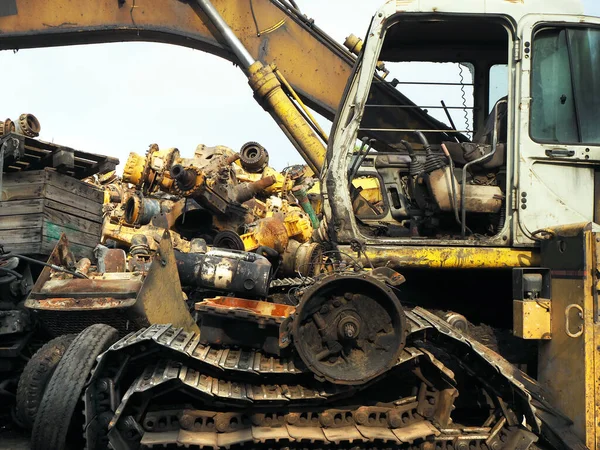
53	231
75	186
73	211
25	249
22	236
80	251
73	199
73	222
22	192
31	206
18	222
18	178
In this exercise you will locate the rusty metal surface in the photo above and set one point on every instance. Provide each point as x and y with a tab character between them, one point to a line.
82	304
160	299
259	308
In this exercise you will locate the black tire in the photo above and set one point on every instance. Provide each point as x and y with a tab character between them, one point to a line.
57	424
35	377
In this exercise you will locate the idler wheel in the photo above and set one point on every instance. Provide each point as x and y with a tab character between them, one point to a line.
349	328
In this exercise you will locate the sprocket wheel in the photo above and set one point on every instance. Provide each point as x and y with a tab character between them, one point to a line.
349	329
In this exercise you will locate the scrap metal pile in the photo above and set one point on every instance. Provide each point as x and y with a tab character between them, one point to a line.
231	200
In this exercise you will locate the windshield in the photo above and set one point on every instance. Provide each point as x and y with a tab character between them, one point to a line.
566	86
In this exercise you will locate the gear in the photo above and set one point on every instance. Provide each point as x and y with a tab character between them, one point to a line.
349	328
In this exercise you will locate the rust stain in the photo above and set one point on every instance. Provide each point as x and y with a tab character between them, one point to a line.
62	304
252	306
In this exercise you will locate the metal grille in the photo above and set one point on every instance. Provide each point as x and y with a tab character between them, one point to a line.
65	322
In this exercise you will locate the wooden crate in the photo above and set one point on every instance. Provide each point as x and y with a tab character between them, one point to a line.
37	206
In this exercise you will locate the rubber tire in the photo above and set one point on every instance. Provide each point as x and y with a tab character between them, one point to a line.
35	377
55	417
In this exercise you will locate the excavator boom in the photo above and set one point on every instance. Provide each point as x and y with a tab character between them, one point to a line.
274	32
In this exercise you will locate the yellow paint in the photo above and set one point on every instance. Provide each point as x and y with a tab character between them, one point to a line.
568	366
370	189
268	90
450	257
532	319
160	299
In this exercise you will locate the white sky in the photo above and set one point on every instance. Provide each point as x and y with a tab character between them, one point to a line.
116	98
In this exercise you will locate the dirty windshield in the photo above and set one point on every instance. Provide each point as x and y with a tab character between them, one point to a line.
566	85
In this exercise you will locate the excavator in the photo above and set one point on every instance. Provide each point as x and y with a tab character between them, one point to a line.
493	228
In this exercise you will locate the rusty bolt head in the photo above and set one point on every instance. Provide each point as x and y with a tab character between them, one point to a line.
395	419
361	416
326	419
293	418
187	422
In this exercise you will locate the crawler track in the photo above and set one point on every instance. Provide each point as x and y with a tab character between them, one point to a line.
161	387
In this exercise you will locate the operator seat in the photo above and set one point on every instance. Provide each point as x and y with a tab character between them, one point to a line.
464	152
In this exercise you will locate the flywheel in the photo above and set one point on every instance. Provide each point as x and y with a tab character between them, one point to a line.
349	328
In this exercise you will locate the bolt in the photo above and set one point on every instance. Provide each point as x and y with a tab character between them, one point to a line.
326	419
350	330
186	422
361	416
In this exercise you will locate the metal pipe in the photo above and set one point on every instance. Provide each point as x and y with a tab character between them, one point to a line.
463	210
243	55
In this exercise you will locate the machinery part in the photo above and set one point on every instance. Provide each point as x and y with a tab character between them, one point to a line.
253	157
28	125
268	90
126	300
35	377
477	199
8	126
302	196
457	321
230	321
304	259
140	210
151	172
13	321
259	410
187	179
269	232
228	239
349	329
139	245
236	271
355	45
245	191
55	416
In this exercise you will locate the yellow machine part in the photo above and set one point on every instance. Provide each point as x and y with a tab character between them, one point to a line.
298	226
123	234
275	188
370	189
569	363
532	319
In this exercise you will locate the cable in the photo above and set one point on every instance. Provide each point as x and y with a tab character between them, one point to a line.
52	266
464	98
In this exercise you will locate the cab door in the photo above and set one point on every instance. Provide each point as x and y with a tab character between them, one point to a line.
557	179
558	133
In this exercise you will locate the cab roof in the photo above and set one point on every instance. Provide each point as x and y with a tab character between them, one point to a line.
514	8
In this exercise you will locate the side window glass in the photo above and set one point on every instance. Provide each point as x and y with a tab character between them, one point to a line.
565	86
498	84
552	107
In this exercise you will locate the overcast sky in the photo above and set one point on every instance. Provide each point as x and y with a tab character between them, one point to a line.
117	98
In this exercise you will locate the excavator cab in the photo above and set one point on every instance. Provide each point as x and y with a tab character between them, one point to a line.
506	182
